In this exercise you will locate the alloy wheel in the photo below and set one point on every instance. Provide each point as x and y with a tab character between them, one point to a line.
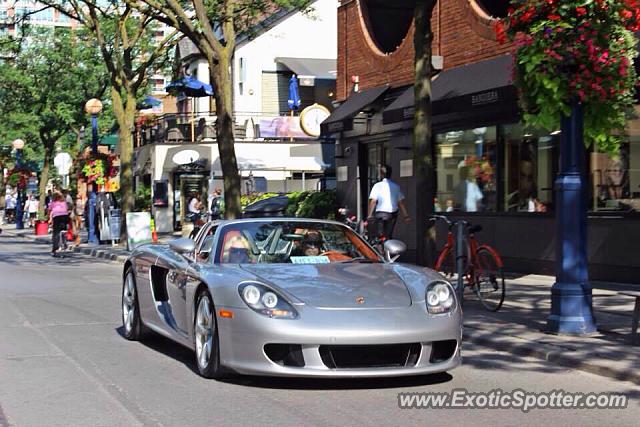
204	332
128	304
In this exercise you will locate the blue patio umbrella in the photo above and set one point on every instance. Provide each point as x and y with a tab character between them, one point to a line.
149	102
294	97
193	88
190	86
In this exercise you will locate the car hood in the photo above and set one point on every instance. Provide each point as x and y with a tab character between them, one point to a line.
337	286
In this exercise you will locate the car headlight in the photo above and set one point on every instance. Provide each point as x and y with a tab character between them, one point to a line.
440	298
266	301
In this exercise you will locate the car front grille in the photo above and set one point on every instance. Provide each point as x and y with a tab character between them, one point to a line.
370	356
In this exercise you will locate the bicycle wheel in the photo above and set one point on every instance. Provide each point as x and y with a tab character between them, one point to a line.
489	280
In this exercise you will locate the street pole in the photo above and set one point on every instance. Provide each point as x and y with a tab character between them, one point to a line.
19	222
18	145
571	299
92	196
93	107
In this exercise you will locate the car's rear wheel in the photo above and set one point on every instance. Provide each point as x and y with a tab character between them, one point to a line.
132	325
206	337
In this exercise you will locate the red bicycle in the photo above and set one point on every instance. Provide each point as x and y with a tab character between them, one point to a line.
480	267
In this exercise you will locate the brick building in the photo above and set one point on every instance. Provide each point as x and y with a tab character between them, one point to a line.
478	138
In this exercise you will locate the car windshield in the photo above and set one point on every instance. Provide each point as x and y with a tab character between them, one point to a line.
297	242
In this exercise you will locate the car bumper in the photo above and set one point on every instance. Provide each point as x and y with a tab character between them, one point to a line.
243	339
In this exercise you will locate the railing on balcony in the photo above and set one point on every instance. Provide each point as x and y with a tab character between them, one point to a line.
200	128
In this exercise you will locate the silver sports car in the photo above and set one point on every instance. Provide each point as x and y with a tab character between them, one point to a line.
292	297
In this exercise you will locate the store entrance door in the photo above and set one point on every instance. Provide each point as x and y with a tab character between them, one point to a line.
185	186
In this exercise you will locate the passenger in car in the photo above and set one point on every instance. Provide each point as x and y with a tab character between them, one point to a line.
235	249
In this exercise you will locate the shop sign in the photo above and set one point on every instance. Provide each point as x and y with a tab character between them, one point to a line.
484	98
406	168
138	229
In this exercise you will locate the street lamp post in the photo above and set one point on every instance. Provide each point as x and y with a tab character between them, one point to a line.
93	107
571	297
18	144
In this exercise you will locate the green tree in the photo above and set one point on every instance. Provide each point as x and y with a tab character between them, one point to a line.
132	53
41	96
213	26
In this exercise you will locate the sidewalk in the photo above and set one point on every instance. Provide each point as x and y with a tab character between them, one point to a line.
519	326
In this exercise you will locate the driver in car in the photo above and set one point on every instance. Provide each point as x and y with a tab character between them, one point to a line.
312	243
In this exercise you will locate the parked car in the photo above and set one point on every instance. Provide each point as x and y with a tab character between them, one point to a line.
272	206
292	297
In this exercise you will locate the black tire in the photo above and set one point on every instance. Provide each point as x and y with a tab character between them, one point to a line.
211	367
489	280
133	330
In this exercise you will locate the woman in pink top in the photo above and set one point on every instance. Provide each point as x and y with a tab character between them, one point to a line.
59	217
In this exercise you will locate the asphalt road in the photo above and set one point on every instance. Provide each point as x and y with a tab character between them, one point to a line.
63	362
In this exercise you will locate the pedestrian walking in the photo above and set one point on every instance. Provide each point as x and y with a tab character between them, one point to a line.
58	218
215	206
11	201
3	205
194	208
31	207
385	200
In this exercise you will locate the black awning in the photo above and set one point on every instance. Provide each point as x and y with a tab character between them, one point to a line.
461	88
341	118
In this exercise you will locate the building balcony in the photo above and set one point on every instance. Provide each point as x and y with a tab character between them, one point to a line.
200	128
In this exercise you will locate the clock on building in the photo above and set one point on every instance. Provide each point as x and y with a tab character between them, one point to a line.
311	117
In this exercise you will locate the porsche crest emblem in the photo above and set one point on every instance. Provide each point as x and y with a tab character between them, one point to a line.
359	300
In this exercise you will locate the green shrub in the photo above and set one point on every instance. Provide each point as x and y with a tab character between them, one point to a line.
318	204
143	199
295	199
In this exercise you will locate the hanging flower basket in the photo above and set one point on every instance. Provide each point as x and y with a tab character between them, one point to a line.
575	50
18	177
98	168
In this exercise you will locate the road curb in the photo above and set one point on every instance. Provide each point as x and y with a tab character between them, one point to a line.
104	254
559	356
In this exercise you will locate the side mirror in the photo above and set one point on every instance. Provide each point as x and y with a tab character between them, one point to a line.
183	245
393	249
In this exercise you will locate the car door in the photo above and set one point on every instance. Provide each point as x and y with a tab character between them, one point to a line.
180	277
169	281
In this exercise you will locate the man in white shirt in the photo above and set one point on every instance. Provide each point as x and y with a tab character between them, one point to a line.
385	200
31	206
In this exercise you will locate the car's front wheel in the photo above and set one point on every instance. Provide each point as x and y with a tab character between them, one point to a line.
131	323
206	337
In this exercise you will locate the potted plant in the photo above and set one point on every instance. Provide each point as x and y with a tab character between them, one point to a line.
42	226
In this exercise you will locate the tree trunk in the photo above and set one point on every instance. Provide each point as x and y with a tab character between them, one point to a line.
125	112
49	149
221	78
424	172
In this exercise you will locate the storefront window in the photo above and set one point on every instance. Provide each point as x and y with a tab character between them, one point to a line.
615	178
466	170
530	166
